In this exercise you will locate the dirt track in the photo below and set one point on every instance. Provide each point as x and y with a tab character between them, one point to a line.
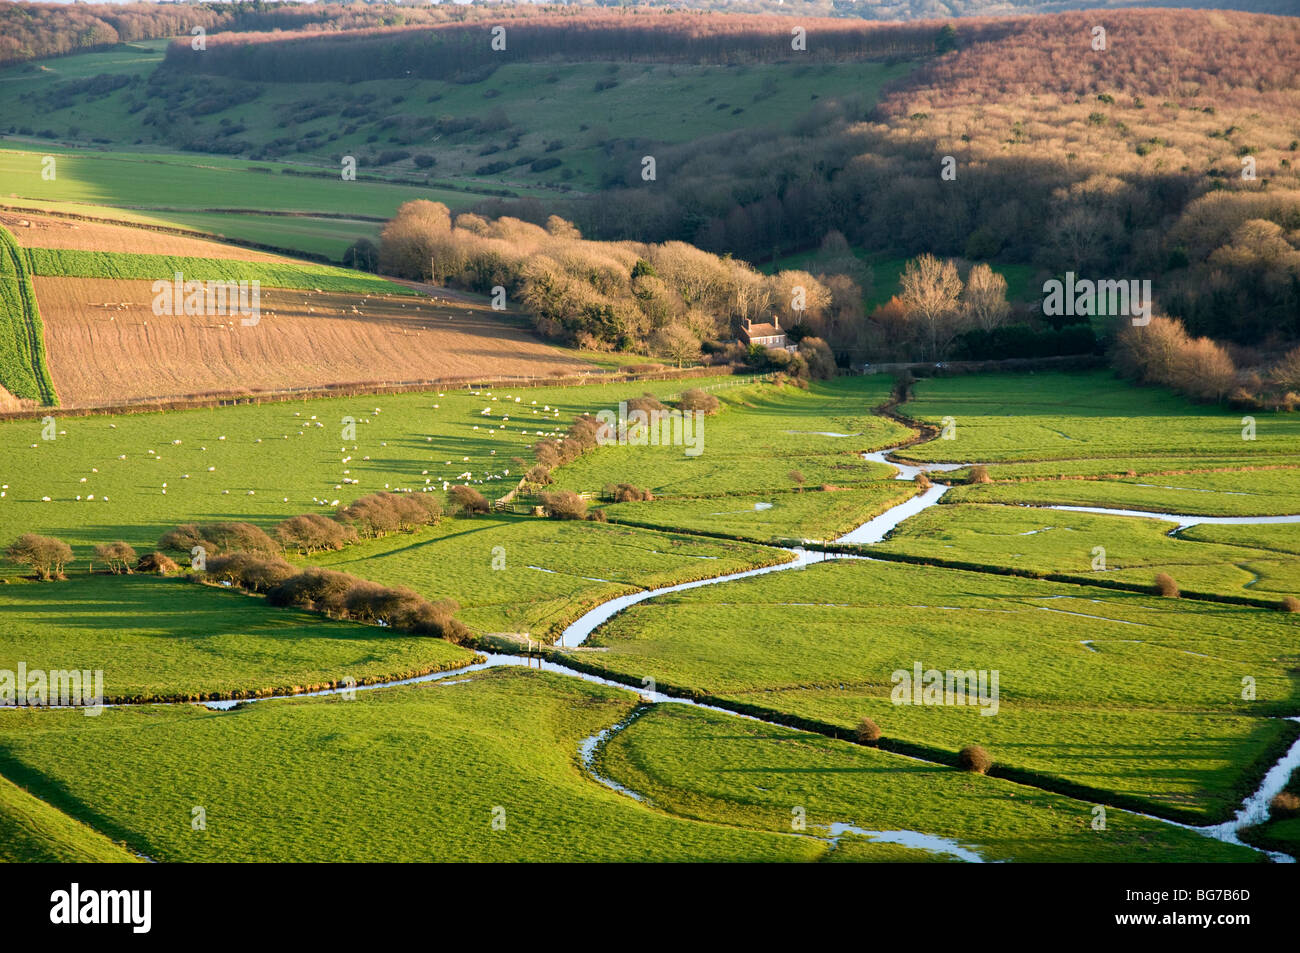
104	343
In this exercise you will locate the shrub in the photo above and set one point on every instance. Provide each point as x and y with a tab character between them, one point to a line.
979	474
565	505
1165	586
261	575
538	474
598	516
701	400
868	731
119	556
313	532
628	493
648	403
974	758
923	481
320	589
797	477
469	500
1291	604
44	555
160	563
1284	804
218	538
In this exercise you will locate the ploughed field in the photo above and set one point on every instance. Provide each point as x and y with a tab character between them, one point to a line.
98	328
1104	696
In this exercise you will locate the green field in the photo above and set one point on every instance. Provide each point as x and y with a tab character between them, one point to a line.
277	451
1241	493
33	832
1123	698
1156	680
74	263
776	517
140	773
1090	418
23	371
519	574
711	766
169	638
755	441
1214	559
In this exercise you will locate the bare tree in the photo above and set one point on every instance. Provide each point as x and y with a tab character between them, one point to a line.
931	288
985	298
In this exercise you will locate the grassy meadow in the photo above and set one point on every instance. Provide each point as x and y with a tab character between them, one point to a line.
139	773
1090	680
520	574
168	638
1090	419
74	263
1225	560
760	437
33	832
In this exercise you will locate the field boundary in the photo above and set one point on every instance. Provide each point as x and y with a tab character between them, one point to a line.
1029	778
29	337
364	388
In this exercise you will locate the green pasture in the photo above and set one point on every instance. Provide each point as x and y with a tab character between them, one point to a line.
755	442
77	263
156	637
1225	560
1128	694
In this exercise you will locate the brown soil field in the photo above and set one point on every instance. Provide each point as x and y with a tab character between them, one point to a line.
48	231
105	345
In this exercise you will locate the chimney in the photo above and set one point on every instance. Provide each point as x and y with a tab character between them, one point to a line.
776	319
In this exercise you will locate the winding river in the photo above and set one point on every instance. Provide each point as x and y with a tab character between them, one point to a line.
1252	811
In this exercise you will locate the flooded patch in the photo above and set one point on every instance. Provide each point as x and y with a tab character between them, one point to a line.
913	839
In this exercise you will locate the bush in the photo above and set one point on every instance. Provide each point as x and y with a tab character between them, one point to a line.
628	493
1291	604
313	532
974	758
1165	586
701	400
1284	804
44	555
539	475
979	474
160	563
565	505
923	481
469	500
382	513
218	538
797	477
598	516
868	731
648	403
119	556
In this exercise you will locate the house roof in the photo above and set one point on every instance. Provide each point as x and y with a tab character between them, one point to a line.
763	331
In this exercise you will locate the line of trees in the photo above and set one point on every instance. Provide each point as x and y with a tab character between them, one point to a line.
1163	352
669	300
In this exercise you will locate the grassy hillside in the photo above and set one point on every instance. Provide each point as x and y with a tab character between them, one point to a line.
32	831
